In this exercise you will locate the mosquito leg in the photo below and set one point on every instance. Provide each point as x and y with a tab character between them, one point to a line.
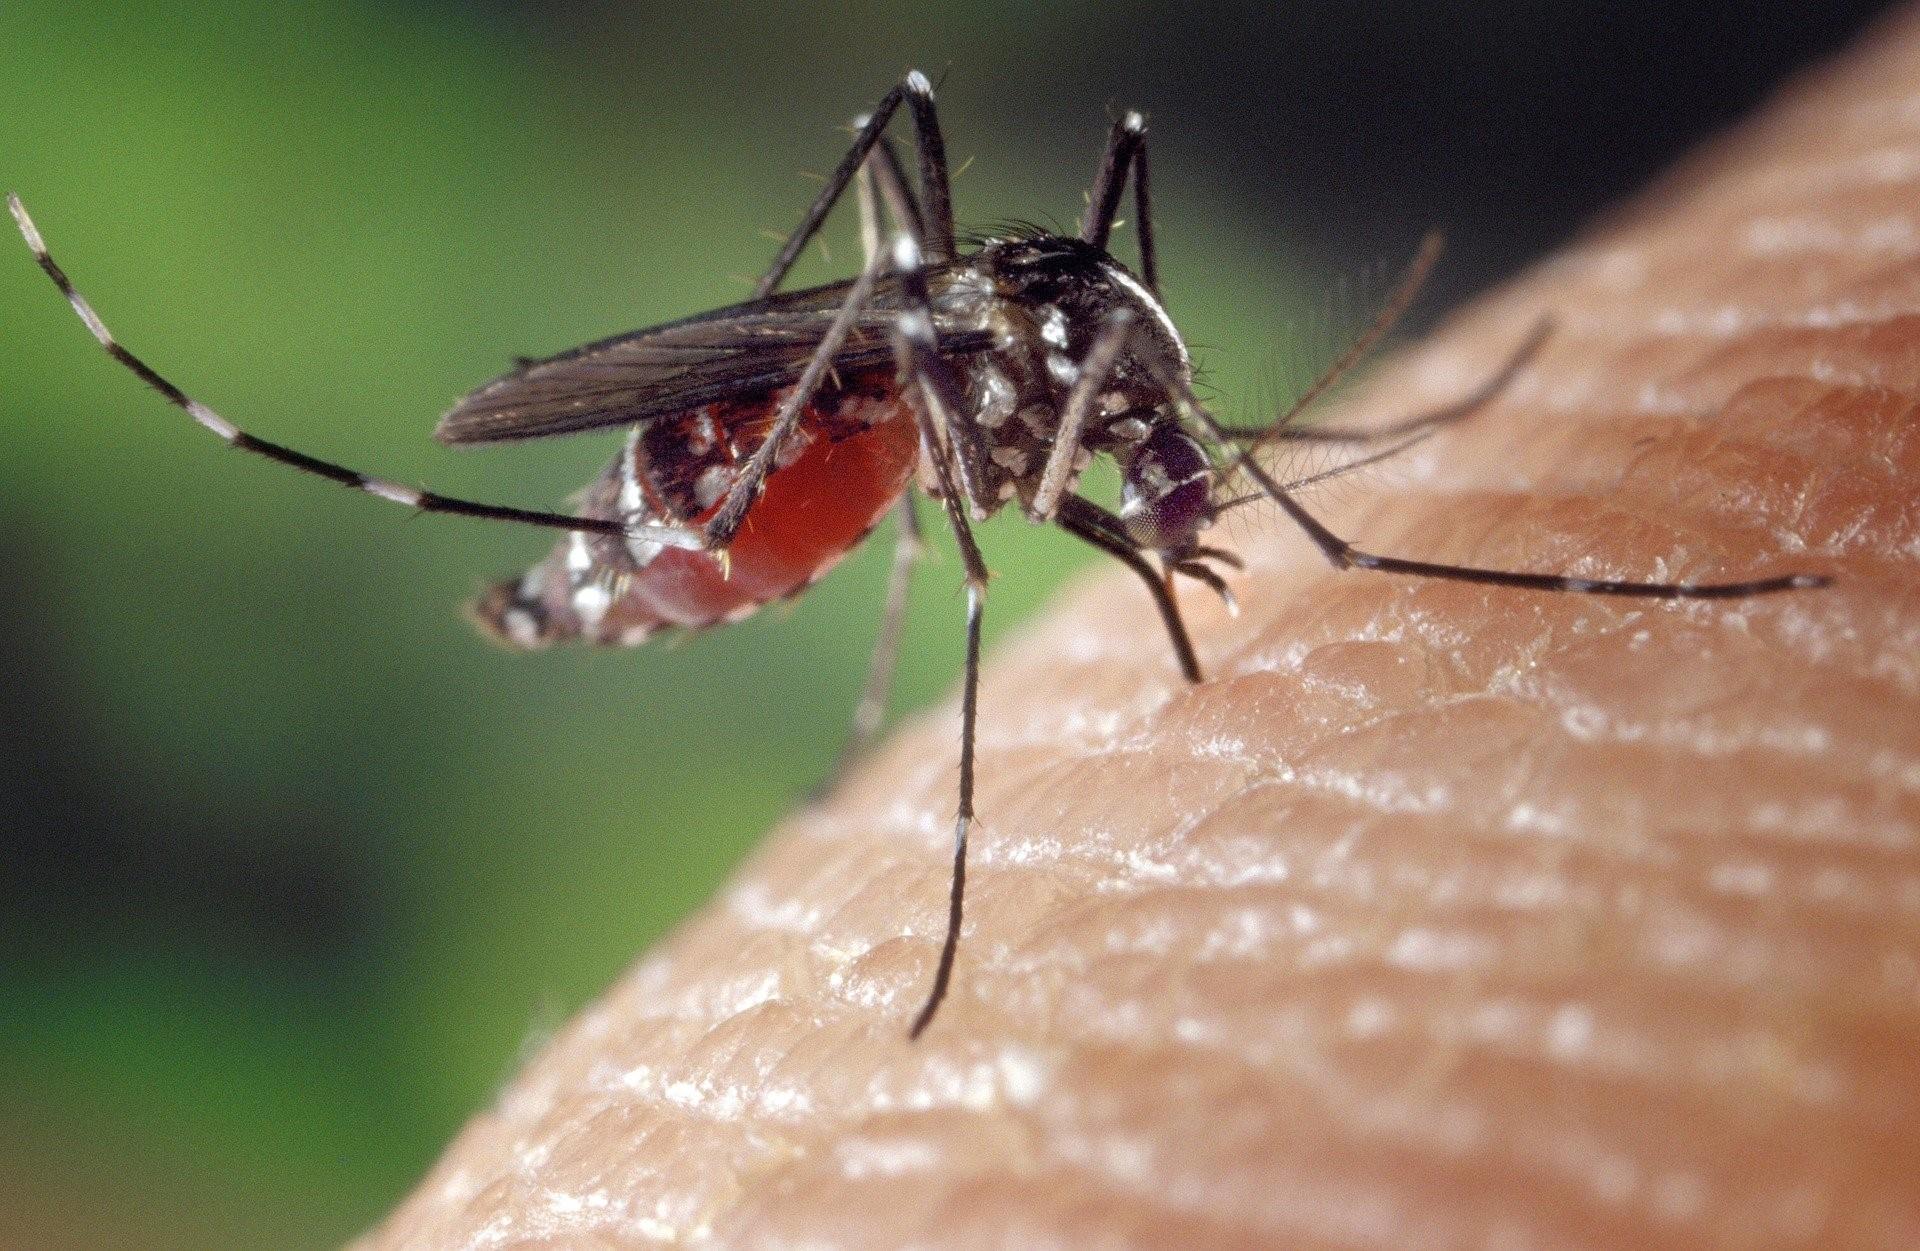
1421	423
1103	201
1094	371
976	570
938	214
891	178
963	815
1126	146
864	139
909	542
885	173
1344	555
1143	222
883	179
726	521
943	393
883	168
936	197
864	197
1093	524
908	546
929	390
233	436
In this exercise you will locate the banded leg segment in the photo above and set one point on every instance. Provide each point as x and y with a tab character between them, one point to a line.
1093	374
393	492
883	179
976	571
726	522
935	224
930	389
958	423
1126	149
880	178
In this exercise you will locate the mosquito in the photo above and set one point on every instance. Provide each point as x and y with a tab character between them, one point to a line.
765	440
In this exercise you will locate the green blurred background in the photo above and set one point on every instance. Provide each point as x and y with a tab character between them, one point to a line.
295	868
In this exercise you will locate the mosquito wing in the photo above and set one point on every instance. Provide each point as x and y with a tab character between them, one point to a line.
748	349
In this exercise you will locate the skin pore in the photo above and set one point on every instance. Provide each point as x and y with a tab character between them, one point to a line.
1441	914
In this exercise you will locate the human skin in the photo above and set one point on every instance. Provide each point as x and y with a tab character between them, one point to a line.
1440	915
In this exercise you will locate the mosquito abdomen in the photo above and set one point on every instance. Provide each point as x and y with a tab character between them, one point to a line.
855	455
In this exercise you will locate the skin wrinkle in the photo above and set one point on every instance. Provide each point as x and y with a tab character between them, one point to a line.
1441	916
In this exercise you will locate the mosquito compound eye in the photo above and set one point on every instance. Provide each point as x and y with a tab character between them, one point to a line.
1166	494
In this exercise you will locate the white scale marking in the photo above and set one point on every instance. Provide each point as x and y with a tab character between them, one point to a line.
1053	327
630	498
407	497
914	324
713	483
591	602
521	627
212	420
579	555
1145	296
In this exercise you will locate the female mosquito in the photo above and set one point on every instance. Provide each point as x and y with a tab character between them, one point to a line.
765	440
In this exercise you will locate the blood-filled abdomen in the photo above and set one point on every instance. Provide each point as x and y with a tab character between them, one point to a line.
846	463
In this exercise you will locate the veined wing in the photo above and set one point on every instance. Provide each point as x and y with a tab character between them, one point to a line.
747	349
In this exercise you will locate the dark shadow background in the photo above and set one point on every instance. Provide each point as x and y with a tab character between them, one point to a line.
294	867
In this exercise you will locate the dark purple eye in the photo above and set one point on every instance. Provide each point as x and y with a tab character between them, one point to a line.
1166	494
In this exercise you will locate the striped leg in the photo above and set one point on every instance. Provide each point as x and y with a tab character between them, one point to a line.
726	522
945	428
1094	371
233	436
880	179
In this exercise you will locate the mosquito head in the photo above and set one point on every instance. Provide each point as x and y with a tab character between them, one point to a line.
1166	493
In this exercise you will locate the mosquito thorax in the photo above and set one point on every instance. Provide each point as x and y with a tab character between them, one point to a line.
1046	299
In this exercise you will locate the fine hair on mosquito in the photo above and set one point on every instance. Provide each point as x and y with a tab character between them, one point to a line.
766	439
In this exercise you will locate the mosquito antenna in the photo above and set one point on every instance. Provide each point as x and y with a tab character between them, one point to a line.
1488	390
1396	305
1328	475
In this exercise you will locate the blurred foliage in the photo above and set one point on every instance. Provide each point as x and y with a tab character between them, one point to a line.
297	865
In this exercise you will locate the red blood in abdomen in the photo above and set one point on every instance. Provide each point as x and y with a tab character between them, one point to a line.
859	448
812	512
